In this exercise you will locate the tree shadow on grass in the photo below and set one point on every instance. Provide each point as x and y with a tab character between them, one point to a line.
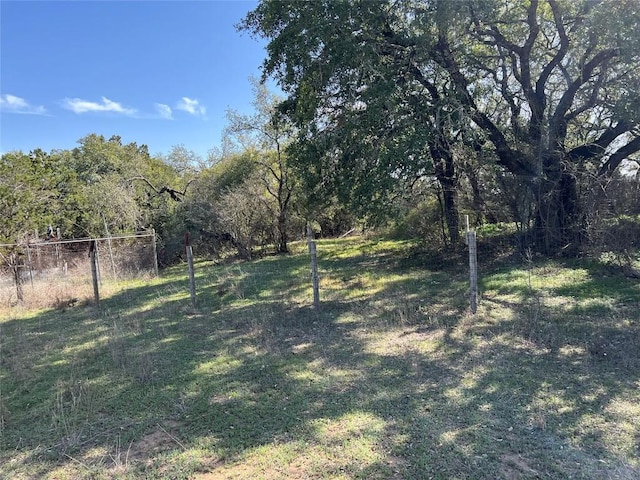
401	383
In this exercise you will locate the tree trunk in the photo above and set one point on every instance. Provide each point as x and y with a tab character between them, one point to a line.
482	212
449	196
557	226
445	173
282	233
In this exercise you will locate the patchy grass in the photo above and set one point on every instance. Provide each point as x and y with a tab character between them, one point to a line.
390	378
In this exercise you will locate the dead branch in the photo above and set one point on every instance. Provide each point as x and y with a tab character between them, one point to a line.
176	195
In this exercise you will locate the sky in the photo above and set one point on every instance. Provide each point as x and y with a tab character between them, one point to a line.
160	73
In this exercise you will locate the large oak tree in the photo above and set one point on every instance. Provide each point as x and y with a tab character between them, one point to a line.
381	91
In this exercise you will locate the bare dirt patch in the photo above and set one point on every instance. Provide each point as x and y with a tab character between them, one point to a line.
516	467
161	439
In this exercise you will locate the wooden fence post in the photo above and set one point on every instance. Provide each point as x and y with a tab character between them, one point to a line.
30	266
98	267
155	252
15	266
314	268
466	230
94	271
473	271
113	263
192	279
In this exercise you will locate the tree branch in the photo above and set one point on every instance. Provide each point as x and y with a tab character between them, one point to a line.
607	169
514	161
560	54
557	125
176	195
598	147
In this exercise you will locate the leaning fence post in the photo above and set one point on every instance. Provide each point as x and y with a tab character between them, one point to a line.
314	267
473	270
93	246
192	280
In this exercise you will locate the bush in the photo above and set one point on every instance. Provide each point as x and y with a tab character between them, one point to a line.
422	221
618	237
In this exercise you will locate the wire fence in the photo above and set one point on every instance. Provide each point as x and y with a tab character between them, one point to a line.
58	272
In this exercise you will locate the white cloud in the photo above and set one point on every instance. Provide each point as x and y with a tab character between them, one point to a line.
164	110
77	105
12	104
191	106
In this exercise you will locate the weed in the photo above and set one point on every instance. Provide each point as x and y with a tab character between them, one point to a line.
119	458
117	345
140	365
73	405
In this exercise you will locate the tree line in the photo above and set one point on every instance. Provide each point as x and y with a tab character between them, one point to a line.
243	197
404	114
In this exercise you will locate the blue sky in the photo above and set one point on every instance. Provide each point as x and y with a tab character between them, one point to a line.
160	73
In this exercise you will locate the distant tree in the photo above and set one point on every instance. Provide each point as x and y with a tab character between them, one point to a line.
207	209
122	186
245	218
101	186
186	163
266	133
367	127
36	190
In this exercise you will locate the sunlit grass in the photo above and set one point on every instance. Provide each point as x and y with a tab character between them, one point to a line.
390	378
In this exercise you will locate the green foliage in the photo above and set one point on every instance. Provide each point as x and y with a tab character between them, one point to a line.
489	230
266	134
104	169
245	217
231	171
358	135
36	190
185	163
200	213
423	221
383	92
91	190
335	219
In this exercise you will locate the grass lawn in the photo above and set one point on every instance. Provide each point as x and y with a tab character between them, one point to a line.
391	378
